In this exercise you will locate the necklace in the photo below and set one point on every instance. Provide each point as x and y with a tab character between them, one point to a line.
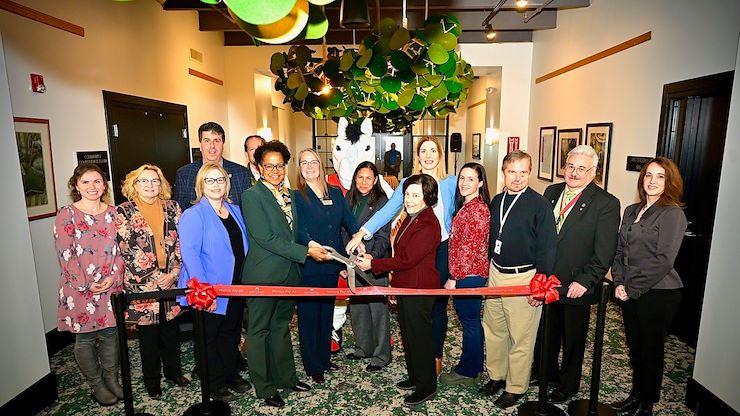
91	211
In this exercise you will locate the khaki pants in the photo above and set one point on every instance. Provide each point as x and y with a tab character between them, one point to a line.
510	329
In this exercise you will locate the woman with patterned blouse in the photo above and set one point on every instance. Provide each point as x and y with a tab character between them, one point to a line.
92	270
469	267
147	237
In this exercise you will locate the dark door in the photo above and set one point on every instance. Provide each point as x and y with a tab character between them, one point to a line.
142	131
692	133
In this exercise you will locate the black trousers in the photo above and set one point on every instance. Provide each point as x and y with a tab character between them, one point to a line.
646	322
415	323
568	330
222	341
439	313
159	346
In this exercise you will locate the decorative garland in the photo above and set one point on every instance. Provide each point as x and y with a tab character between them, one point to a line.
395	76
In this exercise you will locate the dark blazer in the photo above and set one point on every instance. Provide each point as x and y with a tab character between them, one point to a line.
414	262
273	255
323	224
380	244
587	240
184	189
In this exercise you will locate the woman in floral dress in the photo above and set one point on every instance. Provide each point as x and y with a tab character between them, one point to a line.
147	237
92	270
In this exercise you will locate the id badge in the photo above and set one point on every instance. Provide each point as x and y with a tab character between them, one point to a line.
497	247
327	202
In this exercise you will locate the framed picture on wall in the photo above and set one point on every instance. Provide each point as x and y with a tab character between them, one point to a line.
37	170
476	146
567	140
547	153
599	136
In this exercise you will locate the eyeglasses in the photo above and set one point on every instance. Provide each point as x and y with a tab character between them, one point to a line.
210	181
154	182
309	162
580	169
270	167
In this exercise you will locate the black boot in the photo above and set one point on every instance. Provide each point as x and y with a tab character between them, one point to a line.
643	409
629	404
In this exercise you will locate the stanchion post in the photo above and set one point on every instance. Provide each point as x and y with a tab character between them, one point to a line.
206	407
541	407
592	406
119	308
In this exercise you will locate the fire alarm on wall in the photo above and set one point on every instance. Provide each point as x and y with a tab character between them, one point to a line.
37	83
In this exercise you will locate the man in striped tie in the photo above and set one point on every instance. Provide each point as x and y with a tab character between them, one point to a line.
587	222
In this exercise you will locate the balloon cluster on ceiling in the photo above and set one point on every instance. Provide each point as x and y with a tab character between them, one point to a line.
395	76
278	21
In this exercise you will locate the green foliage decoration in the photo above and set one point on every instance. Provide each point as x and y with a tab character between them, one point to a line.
395	76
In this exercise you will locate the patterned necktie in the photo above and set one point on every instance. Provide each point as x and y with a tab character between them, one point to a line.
569	195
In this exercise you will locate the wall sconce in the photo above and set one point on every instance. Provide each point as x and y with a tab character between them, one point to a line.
492	135
265	133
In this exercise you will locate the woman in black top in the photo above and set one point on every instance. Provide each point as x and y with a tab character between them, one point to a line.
369	314
645	280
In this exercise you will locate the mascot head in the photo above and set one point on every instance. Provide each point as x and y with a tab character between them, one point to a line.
354	144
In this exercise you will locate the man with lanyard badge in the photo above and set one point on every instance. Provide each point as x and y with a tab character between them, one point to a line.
522	243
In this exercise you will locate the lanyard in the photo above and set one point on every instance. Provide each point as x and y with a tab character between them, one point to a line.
501	216
570	204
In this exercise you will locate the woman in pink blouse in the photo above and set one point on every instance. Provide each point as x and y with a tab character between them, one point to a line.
92	270
468	256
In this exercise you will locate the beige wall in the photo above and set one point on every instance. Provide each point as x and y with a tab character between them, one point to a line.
688	40
133	48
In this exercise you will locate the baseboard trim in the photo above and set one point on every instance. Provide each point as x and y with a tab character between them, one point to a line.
34	399
56	340
704	403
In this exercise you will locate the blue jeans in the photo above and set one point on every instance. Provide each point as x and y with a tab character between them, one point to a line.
468	311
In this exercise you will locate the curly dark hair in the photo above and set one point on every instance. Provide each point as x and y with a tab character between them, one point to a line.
272	146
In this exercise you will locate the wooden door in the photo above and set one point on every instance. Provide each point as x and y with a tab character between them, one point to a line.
692	133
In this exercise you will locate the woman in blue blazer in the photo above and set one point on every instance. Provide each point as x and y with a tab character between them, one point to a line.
326	213
213	245
429	161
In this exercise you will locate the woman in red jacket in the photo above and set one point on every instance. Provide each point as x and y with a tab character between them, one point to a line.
413	266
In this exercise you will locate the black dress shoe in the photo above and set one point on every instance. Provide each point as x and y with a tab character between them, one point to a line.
318	378
406	385
239	385
353	356
492	387
154	391
223	395
275	401
416	398
371	368
629	404
507	399
180	380
301	386
643	409
558	397
332	367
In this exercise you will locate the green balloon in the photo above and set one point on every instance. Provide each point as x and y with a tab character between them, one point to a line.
447	40
346	61
317	25
378	66
364	58
294	80
391	84
406	75
277	62
391	105
302	92
261	12
453	86
405	97
400	37
417	103
400	60
387	26
438	54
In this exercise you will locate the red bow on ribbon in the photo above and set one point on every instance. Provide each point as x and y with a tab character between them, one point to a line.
544	288
201	295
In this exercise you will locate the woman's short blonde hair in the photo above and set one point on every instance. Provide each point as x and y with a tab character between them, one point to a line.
200	183
441	172
128	187
302	181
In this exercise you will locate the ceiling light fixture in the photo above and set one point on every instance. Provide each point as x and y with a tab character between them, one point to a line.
520	4
490	33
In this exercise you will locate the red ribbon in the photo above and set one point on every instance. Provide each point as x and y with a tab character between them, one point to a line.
544	288
201	295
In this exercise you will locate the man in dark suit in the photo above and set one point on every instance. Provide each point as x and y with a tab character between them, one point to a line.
212	138
587	222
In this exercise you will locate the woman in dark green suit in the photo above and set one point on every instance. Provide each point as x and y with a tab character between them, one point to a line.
273	260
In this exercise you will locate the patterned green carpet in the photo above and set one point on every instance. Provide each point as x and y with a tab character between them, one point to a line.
352	391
